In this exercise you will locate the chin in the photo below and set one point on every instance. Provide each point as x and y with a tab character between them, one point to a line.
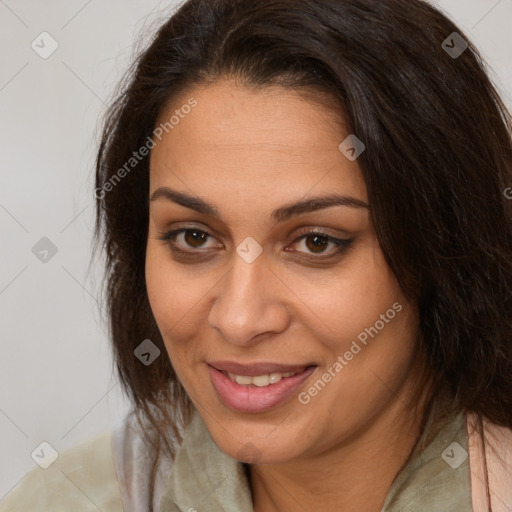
255	443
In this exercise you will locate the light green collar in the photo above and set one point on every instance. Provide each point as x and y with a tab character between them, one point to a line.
204	478
437	475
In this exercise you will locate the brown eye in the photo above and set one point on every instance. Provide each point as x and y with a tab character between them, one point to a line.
185	240
320	245
195	238
316	243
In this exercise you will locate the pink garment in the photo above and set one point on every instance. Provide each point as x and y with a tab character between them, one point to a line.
491	467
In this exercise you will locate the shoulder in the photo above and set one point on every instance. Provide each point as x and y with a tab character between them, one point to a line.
83	475
490	459
142	468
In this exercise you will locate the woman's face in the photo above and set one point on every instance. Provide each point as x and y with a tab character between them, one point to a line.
277	267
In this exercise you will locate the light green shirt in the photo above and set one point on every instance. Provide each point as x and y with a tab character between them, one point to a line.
109	473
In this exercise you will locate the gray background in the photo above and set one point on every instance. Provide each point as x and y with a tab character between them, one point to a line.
56	379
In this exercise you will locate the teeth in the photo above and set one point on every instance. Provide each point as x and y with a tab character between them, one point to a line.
276	377
260	380
243	379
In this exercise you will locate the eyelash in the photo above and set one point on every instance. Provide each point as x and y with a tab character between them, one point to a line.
341	245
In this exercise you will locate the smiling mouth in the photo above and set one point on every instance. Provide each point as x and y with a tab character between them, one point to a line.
260	381
257	369
261	374
260	391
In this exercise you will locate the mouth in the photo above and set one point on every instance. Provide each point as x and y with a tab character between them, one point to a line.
260	381
258	387
256	369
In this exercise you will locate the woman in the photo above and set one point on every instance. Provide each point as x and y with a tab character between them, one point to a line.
308	237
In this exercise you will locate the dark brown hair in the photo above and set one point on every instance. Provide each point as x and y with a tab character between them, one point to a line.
436	165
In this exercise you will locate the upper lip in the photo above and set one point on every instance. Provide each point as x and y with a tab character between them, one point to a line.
254	369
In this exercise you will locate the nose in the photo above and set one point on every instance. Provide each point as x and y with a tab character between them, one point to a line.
250	302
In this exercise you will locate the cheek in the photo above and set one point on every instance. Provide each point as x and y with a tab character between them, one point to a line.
339	304
172	296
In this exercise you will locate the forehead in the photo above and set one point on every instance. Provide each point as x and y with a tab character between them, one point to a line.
269	142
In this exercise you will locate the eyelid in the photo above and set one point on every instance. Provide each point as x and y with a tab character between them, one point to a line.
319	231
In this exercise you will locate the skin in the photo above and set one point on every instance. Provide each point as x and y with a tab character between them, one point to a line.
248	152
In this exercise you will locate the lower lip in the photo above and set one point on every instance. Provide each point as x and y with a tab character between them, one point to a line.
252	398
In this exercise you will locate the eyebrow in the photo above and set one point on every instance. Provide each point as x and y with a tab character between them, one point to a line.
279	215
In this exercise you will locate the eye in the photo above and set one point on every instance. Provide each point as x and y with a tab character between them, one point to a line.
191	242
180	240
318	243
